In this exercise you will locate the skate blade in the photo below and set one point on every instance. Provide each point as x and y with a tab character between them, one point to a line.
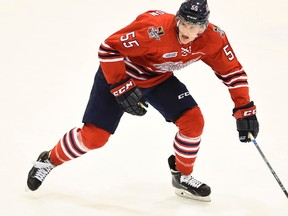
186	194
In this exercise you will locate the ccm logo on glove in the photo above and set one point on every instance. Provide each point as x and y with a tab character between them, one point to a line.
243	113
246	121
249	113
129	97
123	88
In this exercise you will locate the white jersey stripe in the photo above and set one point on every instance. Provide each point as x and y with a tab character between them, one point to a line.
78	143
232	73
241	78
187	149
238	86
185	155
64	149
188	139
111	60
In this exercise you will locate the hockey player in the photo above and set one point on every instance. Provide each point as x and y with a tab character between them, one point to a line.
137	65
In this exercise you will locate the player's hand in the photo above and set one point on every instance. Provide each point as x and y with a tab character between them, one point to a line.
129	97
246	121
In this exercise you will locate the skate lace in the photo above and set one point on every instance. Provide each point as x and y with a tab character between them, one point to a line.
44	169
190	181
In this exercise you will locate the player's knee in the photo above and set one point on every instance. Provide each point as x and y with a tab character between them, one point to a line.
191	122
94	137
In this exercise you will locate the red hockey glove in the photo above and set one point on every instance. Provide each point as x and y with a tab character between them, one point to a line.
129	97
246	121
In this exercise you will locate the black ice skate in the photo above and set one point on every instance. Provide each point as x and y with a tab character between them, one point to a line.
39	171
186	185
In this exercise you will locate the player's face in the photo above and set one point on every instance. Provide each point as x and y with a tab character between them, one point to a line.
189	32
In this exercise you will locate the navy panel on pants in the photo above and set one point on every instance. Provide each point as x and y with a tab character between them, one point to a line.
102	109
171	98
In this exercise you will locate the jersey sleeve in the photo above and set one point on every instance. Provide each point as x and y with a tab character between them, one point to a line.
227	68
132	40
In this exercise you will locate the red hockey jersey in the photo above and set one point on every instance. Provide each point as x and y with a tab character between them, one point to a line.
148	50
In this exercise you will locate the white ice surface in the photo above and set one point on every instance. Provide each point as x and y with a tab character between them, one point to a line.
48	57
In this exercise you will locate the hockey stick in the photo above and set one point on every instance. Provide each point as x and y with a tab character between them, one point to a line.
268	164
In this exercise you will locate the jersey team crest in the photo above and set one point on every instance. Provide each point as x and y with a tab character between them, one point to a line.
155	32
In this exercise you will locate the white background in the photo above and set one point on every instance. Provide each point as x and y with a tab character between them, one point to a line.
48	58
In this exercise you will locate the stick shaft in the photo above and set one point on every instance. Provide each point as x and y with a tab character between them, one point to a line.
271	169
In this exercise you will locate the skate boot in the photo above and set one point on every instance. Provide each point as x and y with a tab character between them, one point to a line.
39	171
186	185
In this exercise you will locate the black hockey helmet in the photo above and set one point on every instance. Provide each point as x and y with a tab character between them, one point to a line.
194	11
